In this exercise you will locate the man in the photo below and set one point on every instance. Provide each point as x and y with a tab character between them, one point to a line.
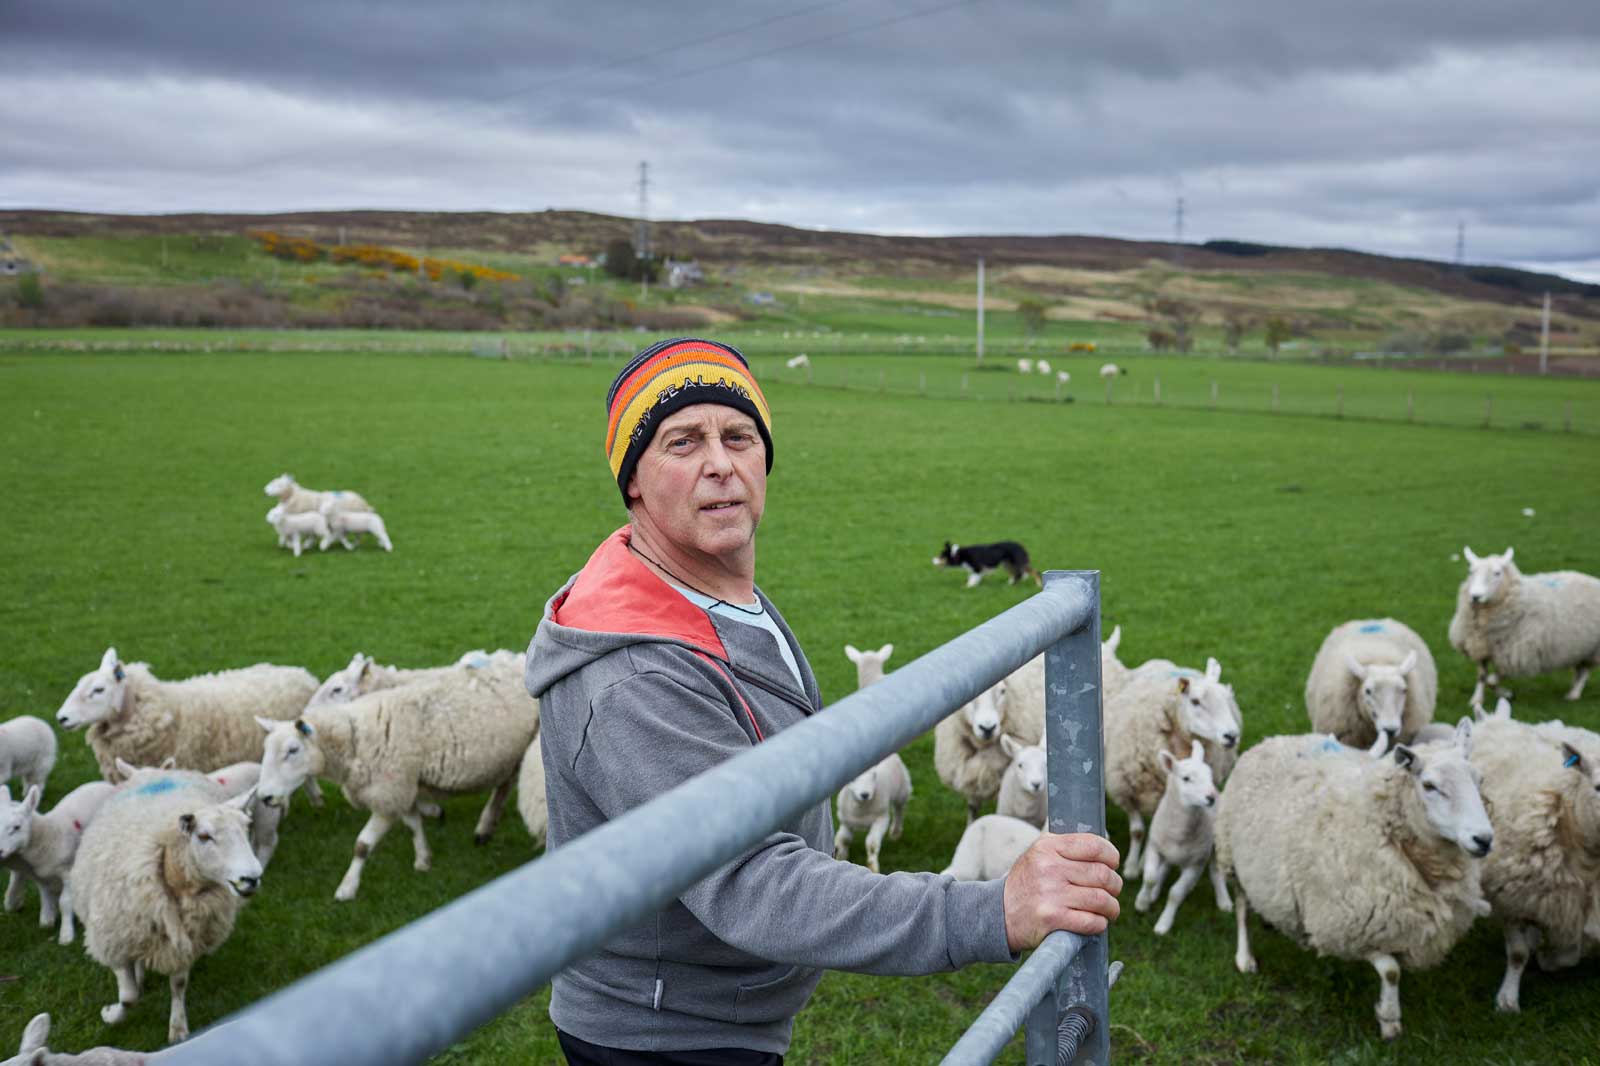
661	659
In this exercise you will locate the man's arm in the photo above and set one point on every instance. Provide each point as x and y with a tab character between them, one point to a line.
783	900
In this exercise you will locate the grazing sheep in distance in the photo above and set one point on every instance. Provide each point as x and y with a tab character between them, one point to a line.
798	361
989	847
294	525
1111	370
1513	624
1181	835
1022	787
1354	857
1372	684
875	803
40	847
966	745
1164	707
1043	367
1063	376
1024	366
204	722
27	751
160	877
869	664
33	1051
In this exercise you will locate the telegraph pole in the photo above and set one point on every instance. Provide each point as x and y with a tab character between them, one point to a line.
641	231
980	310
1178	233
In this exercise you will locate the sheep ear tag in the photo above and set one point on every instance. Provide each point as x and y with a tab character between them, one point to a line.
116	672
303	727
1572	757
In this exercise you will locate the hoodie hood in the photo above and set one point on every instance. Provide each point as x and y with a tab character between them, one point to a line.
614	602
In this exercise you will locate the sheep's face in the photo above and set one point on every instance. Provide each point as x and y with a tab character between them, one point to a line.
219	844
281	486
1207	708
343	685
97	696
864	787
1196	785
1448	786
983	715
16	821
1029	767
1486	575
1381	691
289	756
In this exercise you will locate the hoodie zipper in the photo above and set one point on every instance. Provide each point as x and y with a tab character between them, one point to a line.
803	704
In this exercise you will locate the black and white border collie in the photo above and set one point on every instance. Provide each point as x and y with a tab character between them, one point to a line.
979	559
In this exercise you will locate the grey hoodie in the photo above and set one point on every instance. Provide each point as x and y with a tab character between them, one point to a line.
640	690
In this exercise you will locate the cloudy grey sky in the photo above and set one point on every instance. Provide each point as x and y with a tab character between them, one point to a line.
1373	124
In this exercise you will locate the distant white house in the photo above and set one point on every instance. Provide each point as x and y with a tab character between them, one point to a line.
682	273
761	299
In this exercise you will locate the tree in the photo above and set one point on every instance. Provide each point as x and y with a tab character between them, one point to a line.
1178	317
623	262
1278	331
1234	323
30	293
1033	314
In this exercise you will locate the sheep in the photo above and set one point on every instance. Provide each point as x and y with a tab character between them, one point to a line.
1542	787
293	525
869	664
27	751
203	722
1025	686
1024	366
466	731
966	745
296	498
1063	376
339	525
1113	675
1513	624
1372	684
531	800
1164	707
1181	835
1022	786
273	514
1111	370
798	361
40	847
160	876
34	1053
989	847
364	675
1043	367
234	780
875	802
1355	857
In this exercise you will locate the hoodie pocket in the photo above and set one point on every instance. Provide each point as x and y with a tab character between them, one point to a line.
776	999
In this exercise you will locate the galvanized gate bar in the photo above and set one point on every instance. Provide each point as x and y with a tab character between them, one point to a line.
421	988
1034	980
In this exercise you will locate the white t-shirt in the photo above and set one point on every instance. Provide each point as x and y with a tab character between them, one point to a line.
760	621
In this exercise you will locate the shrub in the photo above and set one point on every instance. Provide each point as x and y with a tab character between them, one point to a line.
30	291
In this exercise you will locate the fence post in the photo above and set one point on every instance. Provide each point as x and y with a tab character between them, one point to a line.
1488	409
1274	397
963	386
1213	395
1338	411
1077	805
1411	405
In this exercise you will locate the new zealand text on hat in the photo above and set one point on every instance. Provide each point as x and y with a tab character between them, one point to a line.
670	375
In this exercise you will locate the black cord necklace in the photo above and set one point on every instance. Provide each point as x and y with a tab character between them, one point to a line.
757	610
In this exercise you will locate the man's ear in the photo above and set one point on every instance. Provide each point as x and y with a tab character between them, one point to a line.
632	490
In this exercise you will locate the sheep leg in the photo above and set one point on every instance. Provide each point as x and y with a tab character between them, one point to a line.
972	811
294	544
1154	872
1580	676
1388	968
419	841
1130	863
127	994
841	843
349	545
47	907
69	929
1521	939
1219	885
1243	961
178	1018
875	842
1180	892
371	833
313	792
1477	690
897	819
491	812
17	891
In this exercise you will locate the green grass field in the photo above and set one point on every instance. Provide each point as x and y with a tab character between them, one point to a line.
134	518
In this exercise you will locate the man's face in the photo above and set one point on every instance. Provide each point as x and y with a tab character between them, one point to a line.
702	482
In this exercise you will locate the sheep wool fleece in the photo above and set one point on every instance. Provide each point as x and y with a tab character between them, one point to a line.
640	690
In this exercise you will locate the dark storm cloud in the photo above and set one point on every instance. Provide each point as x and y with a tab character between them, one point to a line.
1377	125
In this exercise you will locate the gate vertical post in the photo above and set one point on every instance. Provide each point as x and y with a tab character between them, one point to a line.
1076	747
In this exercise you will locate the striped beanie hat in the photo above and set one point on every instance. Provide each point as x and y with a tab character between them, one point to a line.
666	377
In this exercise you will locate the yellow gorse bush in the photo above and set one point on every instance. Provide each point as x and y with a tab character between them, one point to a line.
372	256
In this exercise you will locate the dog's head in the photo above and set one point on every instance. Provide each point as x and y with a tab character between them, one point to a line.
947	557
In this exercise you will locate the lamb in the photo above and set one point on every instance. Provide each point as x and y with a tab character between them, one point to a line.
1164	707
204	722
1355	857
531	801
869	664
341	524
293	525
1181	835
234	780
296	499
40	847
34	1053
27	751
364	675
466	731
989	848
1111	370
1372	684
1542	788
1024	366
1043	367
798	361
1063	376
1022	786
273	514
966	745
160	877
875	802
1513	624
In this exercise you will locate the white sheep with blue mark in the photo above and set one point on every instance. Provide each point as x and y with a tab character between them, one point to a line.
1512	624
1373	684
